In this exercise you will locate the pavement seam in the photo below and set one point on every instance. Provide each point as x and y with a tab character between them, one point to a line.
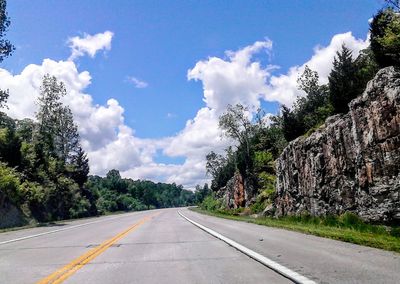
284	271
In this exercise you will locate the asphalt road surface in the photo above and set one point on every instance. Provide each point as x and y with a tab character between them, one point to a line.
159	246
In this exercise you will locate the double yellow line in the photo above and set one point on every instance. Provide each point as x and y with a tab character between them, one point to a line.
63	273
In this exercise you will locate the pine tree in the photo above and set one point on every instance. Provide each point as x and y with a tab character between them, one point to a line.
343	85
81	167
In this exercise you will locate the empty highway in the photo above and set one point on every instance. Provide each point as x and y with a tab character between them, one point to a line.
160	246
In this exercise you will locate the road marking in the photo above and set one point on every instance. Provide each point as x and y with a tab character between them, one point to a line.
65	272
288	273
58	230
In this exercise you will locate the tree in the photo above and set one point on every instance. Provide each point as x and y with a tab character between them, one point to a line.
236	124
385	37
308	81
366	67
10	145
309	110
6	48
214	163
25	129
272	139
50	109
395	4
66	137
221	168
80	164
3	98
291	126
343	85
115	182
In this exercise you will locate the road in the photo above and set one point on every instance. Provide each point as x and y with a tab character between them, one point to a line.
159	246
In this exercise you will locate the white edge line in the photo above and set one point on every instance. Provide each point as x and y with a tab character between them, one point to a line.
55	231
288	273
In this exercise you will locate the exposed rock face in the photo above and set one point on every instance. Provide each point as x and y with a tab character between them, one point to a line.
352	163
10	216
234	194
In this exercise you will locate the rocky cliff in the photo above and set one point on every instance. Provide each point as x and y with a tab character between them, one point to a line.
351	163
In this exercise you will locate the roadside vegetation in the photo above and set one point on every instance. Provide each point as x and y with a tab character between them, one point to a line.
347	227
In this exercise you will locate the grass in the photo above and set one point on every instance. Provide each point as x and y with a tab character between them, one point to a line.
347	228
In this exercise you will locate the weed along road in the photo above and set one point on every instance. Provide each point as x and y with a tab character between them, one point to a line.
181	246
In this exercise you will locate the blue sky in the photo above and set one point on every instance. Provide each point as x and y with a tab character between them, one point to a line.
158	42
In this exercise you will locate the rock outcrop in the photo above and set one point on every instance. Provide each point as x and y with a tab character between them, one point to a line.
10	215
234	194
351	163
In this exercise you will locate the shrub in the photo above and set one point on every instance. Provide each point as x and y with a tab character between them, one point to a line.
210	203
10	184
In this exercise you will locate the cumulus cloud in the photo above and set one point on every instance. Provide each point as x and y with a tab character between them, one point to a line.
89	44
233	80
24	87
136	82
283	88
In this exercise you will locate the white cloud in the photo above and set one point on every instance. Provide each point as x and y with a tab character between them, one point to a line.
171	115
234	80
283	88
136	82
89	44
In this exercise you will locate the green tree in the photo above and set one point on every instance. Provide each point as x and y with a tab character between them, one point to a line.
235	123
9	185
292	127
6	48
80	163
221	168
50	108
66	137
25	129
385	37
343	85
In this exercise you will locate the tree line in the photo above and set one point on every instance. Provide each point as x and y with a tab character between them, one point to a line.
258	145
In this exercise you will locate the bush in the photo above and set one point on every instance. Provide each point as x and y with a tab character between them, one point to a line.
210	203
80	208
10	185
351	220
35	199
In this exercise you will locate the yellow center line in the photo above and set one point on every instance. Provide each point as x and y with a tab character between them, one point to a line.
66	271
